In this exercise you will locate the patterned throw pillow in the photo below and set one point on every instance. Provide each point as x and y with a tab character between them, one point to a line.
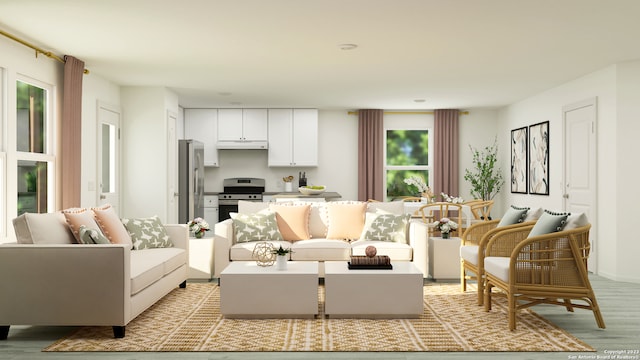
147	233
548	223
260	226
385	227
92	236
513	215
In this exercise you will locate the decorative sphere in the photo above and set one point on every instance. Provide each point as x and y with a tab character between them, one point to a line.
371	251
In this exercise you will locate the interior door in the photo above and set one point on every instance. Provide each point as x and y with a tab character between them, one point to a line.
172	168
580	166
108	156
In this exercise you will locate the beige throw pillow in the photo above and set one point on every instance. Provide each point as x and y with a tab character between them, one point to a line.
77	218
345	220
293	221
111	225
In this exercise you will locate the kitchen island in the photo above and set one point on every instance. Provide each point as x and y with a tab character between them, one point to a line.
296	195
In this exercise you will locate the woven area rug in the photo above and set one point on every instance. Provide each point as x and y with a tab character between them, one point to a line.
189	320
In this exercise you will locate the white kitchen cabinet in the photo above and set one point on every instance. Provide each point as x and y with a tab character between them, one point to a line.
242	124
293	137
202	125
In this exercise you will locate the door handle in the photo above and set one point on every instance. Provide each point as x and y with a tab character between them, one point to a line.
566	196
102	197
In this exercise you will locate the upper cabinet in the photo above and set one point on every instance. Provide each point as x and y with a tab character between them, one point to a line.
293	137
202	125
242	125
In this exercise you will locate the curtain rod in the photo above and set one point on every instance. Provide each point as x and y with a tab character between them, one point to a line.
38	50
408	113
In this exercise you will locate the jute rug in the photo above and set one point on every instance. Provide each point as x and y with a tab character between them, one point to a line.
189	320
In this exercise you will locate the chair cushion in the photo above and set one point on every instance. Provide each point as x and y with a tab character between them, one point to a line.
260	226
549	222
293	220
49	228
321	250
497	266
385	227
469	253
395	251
513	215
244	251
150	265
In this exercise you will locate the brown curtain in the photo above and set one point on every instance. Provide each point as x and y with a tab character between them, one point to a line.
370	152
70	157
445	167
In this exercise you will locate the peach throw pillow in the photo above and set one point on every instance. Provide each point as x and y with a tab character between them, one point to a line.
346	220
293	221
111	225
78	217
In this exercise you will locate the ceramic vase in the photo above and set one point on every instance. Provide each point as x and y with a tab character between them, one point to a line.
281	262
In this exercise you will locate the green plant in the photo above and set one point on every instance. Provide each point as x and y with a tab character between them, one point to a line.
485	179
281	251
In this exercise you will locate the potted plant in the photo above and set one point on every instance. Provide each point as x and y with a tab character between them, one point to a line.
281	257
485	179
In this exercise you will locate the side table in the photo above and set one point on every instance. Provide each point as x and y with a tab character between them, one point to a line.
444	258
201	258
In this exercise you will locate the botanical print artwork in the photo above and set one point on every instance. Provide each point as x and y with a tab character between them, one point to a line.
519	160
539	158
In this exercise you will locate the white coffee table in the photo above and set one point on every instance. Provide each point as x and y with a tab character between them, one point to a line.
395	293
251	291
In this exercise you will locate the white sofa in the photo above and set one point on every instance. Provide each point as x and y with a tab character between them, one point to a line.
318	247
54	281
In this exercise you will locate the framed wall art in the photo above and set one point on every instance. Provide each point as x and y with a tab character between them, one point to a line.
539	158
519	166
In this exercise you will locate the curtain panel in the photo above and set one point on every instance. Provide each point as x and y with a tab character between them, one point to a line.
445	164
370	155
71	134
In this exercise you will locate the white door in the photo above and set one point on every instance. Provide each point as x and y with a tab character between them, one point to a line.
580	166
109	156
172	168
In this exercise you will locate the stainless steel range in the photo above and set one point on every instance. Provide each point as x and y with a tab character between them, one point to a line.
235	189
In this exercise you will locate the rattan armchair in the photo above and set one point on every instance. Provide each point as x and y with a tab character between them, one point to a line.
472	251
481	210
544	269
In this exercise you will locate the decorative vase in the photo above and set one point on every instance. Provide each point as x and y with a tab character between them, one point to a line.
288	187
199	234
445	235
281	262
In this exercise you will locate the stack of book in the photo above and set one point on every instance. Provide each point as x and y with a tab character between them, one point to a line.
374	262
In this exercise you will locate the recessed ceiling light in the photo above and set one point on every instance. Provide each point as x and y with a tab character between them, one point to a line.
419	100
347	46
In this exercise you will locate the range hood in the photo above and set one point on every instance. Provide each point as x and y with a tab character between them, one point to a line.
252	145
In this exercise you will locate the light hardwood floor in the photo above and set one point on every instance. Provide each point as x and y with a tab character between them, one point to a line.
619	301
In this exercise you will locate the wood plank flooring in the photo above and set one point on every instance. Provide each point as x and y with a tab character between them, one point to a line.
619	302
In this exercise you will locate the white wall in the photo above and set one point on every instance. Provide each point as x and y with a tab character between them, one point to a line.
618	93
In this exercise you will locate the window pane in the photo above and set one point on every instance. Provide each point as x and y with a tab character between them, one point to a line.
396	187
32	187
407	147
31	118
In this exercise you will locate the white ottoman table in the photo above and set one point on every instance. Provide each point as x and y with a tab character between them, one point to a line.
251	291
395	293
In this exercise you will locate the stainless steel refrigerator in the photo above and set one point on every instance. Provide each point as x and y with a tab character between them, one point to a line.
190	180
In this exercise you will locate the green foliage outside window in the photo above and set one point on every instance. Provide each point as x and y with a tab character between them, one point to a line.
407	155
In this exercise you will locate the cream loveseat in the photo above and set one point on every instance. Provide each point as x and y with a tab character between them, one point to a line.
47	278
322	231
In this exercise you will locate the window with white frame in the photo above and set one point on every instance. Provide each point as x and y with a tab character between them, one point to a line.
408	152
34	148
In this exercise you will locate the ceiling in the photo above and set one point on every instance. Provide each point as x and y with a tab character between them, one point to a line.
285	53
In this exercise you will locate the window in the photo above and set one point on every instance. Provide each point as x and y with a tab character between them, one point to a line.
35	162
407	153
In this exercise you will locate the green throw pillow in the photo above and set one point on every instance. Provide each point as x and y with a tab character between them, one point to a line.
513	215
259	226
147	233
549	222
381	226
91	236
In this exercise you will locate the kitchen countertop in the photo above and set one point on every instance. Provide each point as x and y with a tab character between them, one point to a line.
297	194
